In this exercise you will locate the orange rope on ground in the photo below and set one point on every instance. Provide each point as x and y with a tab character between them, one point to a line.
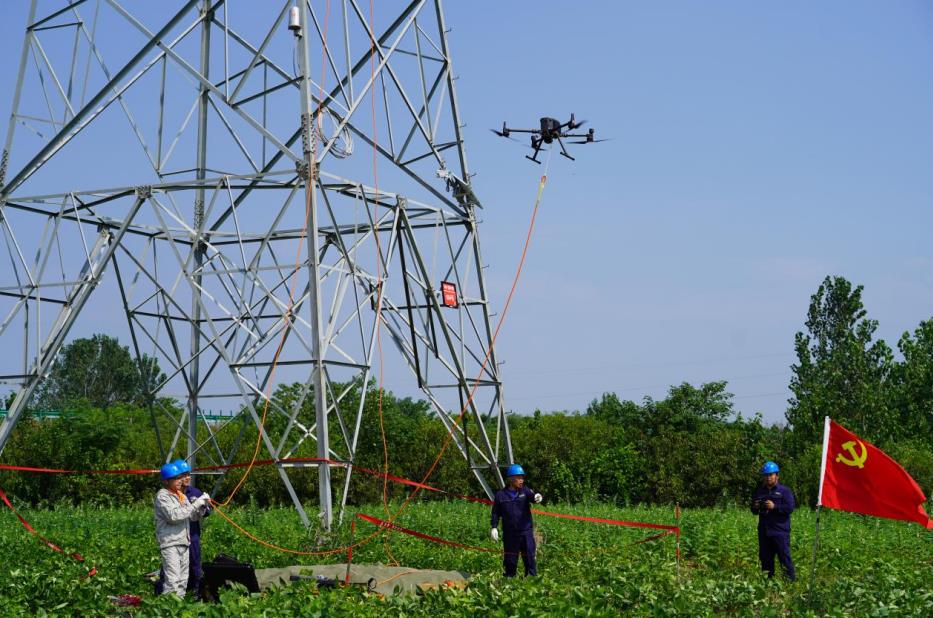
256	539
397	575
382	525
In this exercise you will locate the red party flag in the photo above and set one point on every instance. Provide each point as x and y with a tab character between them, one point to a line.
859	477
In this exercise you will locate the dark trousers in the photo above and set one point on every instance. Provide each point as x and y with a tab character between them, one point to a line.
519	543
771	546
195	574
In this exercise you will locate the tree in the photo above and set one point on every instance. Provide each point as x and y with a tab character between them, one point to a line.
686	408
611	409
101	372
840	371
913	384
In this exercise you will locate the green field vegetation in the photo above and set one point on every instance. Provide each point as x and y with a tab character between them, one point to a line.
693	447
865	566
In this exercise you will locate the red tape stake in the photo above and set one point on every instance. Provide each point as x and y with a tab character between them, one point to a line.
75	556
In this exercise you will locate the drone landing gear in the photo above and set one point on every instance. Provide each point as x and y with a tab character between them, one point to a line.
563	150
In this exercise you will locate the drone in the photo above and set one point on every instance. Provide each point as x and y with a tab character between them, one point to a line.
552	129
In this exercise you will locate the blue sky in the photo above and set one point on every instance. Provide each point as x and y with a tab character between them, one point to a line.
757	148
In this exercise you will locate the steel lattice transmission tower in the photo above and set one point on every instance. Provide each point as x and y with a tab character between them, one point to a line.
260	181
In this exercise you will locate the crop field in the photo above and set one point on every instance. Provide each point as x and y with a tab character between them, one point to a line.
865	566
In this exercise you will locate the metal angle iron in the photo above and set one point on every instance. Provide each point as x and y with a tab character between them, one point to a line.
209	168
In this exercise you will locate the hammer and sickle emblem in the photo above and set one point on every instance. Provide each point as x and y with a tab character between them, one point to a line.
857	459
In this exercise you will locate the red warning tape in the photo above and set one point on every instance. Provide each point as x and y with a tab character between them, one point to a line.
421	535
434	539
611	522
260	462
594	520
60	471
377	473
75	556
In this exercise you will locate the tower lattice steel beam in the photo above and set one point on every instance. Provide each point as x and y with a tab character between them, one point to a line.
256	183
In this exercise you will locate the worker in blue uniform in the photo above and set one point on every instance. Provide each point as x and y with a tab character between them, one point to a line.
512	505
773	503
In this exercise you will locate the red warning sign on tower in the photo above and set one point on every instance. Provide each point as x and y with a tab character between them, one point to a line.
449	294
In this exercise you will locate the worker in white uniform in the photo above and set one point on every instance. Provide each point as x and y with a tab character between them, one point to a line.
173	512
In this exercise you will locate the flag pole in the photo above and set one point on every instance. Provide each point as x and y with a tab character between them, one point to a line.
819	508
816	542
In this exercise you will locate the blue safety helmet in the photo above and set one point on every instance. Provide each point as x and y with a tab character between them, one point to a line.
183	466
769	468
170	471
515	470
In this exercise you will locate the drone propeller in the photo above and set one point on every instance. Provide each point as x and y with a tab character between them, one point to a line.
576	125
509	137
591	141
521	143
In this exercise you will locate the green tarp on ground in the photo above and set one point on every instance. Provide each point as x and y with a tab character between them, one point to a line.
378	578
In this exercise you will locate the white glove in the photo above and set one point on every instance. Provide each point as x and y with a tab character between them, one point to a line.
202	500
495	534
538	498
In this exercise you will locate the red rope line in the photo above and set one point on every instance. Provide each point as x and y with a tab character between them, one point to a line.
387	477
667	530
74	556
388	525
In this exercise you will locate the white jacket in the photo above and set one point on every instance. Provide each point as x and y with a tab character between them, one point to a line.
171	519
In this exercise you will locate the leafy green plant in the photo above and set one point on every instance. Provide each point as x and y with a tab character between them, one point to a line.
864	566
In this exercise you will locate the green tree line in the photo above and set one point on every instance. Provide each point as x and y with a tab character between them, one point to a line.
691	447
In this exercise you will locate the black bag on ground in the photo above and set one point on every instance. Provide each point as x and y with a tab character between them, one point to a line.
225	570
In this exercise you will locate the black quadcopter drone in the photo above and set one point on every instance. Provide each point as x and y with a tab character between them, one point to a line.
552	129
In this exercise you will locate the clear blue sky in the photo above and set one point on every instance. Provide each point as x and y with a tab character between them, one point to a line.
758	147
